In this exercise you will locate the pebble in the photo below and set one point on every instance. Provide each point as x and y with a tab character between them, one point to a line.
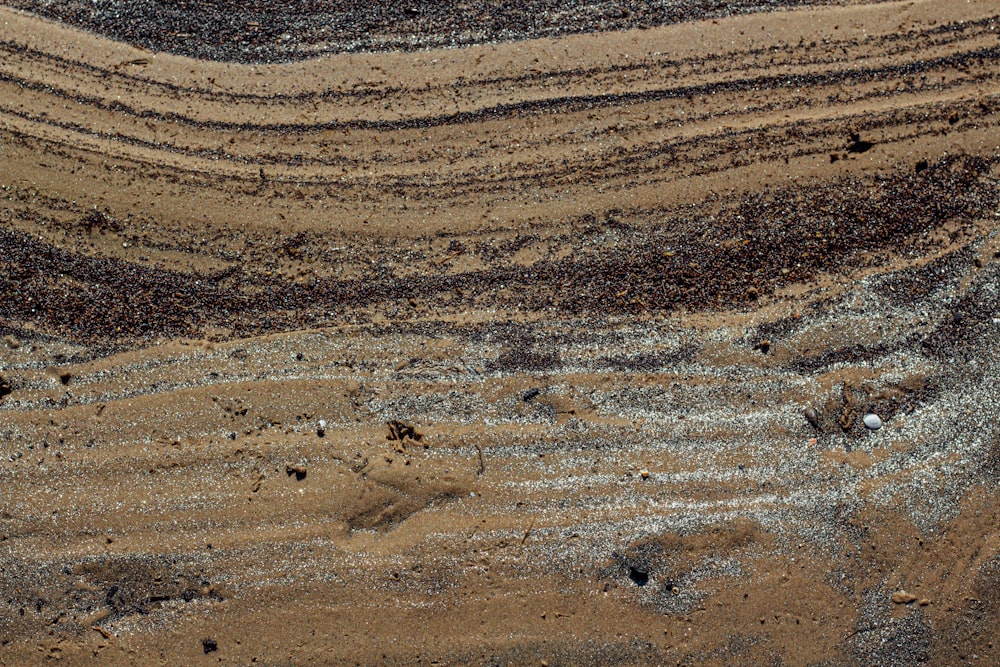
644	473
902	597
299	470
872	421
812	416
321	428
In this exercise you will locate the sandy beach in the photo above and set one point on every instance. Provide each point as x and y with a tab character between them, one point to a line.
323	343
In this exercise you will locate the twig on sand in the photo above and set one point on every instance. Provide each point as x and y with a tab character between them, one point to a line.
528	532
449	257
482	463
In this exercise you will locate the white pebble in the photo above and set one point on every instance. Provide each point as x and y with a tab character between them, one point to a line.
872	421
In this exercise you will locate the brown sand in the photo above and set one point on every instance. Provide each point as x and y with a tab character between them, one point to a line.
561	304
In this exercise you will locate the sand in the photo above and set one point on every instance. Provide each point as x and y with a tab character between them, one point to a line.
592	318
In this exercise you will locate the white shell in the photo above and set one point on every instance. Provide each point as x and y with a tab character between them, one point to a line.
872	421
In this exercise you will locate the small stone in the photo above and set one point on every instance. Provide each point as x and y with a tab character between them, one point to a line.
923	602
872	421
209	645
321	428
902	597
299	470
764	346
638	576
812	416
644	473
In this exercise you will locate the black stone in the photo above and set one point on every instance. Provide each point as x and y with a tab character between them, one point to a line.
812	416
638	577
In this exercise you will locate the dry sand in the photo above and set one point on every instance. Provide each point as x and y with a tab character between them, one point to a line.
561	304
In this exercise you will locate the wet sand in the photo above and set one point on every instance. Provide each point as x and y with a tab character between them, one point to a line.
561	303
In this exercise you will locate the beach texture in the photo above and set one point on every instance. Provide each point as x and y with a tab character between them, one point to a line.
321	343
